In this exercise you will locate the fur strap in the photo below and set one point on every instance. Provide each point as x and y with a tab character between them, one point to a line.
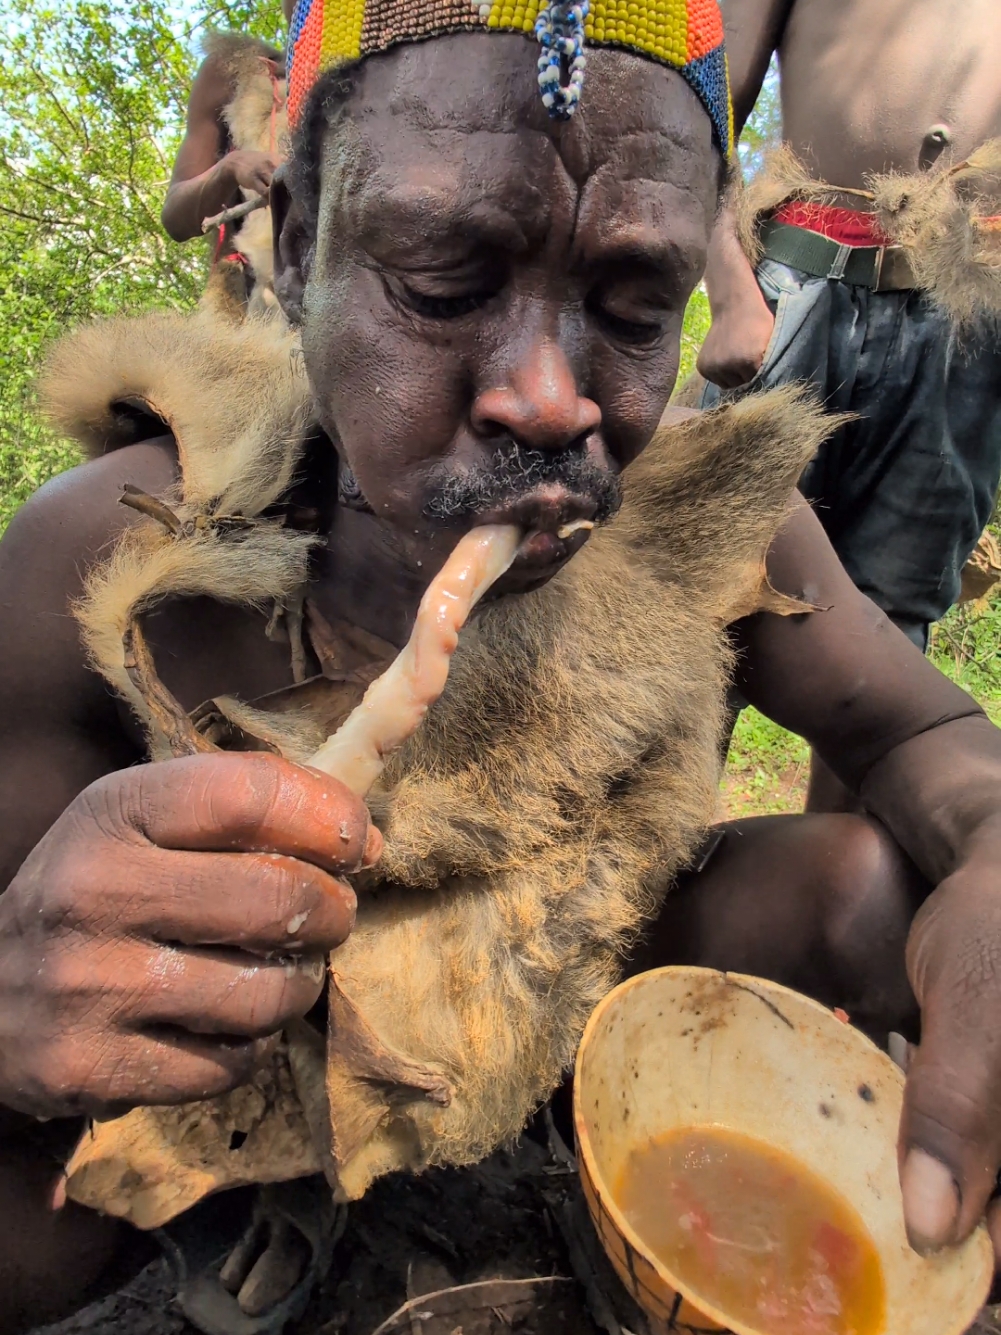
949	219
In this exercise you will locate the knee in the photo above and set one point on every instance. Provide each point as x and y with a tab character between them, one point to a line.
49	1258
870	891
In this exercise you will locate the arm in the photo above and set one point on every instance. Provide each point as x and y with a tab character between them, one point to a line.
207	179
119	874
742	322
926	762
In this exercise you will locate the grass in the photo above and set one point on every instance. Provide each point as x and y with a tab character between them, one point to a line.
768	768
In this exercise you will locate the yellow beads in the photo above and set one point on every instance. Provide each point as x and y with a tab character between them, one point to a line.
509	14
659	28
342	25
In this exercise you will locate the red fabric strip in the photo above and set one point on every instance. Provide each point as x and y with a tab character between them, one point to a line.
846	226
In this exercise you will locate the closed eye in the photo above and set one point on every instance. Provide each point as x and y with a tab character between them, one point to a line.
635	331
436	307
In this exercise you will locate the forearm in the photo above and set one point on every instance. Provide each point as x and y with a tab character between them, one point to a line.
190	202
730	280
940	795
742	320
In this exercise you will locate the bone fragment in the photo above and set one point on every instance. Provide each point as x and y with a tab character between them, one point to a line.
396	702
574	527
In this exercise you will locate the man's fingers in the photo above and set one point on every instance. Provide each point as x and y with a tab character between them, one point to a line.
230	994
250	803
931	1201
950	1131
168	1067
258	902
950	1138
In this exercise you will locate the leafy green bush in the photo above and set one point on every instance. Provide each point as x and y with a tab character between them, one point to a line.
92	101
966	646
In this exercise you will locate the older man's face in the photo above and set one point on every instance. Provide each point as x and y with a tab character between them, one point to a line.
492	318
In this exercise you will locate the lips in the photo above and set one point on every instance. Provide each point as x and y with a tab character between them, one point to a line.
541	514
543	511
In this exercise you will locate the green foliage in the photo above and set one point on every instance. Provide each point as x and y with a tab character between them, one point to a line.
966	646
764	125
92	101
694	330
767	767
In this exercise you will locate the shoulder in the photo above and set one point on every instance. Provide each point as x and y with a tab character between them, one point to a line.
230	56
60	726
675	414
213	84
44	557
76	514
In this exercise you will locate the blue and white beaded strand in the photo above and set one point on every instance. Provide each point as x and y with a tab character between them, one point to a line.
559	30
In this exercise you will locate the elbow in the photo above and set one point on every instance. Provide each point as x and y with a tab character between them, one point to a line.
171	225
175	224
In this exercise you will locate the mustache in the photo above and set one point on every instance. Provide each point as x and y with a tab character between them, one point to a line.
513	472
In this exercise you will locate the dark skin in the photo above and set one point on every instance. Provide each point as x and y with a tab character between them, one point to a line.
208	174
550	316
867	86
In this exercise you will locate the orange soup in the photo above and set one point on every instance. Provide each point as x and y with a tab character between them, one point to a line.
755	1233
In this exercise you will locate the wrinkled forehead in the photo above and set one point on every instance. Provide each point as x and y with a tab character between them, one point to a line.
456	124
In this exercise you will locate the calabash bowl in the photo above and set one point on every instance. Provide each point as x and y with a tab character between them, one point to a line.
684	1047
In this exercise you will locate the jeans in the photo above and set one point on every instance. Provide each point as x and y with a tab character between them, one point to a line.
903	491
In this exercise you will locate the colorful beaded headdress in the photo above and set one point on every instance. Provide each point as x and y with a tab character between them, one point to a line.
686	35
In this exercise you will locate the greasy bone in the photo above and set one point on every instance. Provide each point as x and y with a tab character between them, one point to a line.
396	702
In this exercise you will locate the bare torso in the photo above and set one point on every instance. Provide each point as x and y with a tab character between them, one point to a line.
864	82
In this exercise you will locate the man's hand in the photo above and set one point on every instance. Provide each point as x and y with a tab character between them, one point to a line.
950	1134
173	918
735	345
249	170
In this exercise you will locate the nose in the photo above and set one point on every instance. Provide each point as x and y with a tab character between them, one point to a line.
539	405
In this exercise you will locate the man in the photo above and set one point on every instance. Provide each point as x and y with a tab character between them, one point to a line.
904	491
490	303
233	141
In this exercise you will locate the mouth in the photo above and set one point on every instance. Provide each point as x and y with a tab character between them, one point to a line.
556	523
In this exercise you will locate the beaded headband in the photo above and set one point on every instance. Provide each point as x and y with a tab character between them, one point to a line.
686	35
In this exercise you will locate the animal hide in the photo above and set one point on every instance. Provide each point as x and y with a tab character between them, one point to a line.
535	820
782	177
257	120
949	219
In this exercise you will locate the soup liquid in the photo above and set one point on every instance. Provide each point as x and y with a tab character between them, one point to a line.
755	1233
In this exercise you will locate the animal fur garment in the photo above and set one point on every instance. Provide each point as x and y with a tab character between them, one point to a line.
256	120
949	219
950	222
533	823
782	177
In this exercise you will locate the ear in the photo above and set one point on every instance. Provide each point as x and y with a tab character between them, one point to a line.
292	243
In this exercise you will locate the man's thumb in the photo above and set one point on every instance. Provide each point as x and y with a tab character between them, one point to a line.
931	1201
950	1142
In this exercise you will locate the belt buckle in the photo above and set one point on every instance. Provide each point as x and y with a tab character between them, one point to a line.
840	262
878	269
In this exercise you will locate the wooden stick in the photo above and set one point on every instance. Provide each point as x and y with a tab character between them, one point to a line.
234	214
136	499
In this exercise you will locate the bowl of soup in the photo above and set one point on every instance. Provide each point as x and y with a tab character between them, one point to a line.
737	1148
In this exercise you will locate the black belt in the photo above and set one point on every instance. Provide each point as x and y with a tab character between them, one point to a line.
883	268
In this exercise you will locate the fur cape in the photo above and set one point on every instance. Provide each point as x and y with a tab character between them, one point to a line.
533	823
949	219
256	119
